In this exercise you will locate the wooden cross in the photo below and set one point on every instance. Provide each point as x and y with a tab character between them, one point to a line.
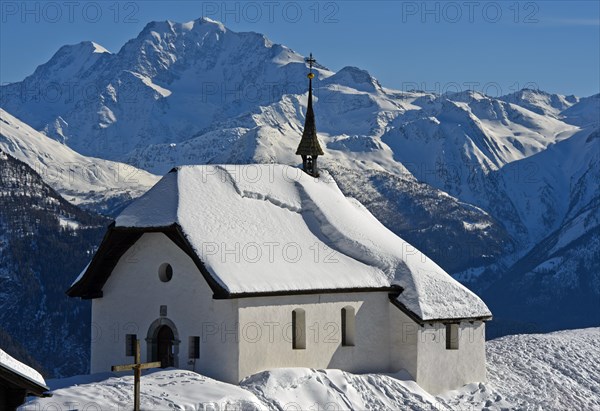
137	368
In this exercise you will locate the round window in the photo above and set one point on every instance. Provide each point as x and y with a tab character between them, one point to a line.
165	272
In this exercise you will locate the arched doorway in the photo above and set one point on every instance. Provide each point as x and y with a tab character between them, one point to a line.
164	346
163	342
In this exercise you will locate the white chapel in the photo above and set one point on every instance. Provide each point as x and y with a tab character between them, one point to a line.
229	270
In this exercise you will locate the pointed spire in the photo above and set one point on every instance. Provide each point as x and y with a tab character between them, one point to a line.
309	147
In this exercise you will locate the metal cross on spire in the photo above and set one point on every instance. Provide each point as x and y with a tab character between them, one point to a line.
310	60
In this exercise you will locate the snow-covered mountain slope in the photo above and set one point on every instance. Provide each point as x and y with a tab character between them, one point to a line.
454	141
534	196
457	235
541	102
197	93
44	242
563	267
554	283
164	86
245	127
554	185
349	123
79	179
54	86
555	371
586	113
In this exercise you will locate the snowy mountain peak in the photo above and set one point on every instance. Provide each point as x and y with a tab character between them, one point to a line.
168	28
205	21
72	61
81	49
585	113
540	102
166	47
173	27
99	49
355	78
466	96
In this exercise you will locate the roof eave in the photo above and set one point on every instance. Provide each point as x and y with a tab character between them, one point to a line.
32	387
254	294
416	318
76	289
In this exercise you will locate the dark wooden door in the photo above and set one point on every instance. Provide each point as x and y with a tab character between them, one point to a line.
164	340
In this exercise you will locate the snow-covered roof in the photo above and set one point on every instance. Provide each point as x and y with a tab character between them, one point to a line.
274	229
17	367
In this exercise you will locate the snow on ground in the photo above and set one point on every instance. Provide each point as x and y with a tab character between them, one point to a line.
557	371
162	390
308	389
18	367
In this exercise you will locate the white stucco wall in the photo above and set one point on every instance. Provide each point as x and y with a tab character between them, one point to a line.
440	369
265	333
131	302
404	334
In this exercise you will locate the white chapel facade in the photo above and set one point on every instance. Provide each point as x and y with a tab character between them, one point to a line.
230	275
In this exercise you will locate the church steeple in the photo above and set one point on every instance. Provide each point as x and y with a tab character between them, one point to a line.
309	147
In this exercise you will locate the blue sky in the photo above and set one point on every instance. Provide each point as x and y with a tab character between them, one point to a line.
491	46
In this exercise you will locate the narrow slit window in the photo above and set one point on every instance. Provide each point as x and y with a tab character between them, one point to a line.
130	343
298	329
452	336
348	326
194	351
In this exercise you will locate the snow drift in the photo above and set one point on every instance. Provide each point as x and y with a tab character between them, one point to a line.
555	371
